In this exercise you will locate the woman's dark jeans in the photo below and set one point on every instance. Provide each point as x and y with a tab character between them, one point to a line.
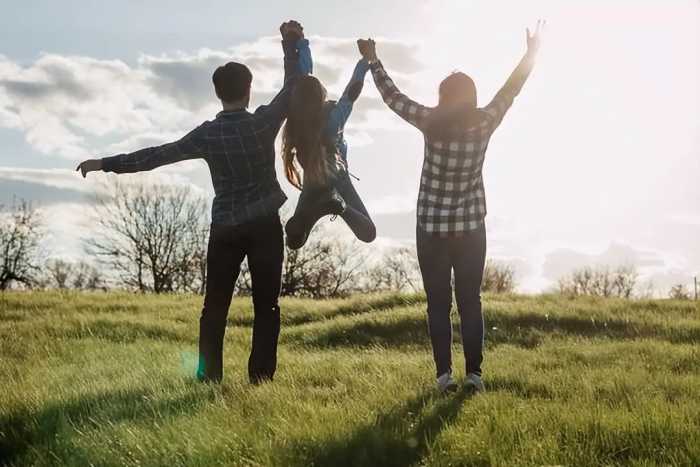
355	215
438	257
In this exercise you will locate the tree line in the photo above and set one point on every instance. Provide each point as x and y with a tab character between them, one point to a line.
153	238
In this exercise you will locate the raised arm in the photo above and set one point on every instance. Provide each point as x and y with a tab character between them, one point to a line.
292	39
305	63
406	108
191	146
503	100
342	110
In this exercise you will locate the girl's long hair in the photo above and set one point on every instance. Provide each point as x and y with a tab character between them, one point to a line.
456	110
301	139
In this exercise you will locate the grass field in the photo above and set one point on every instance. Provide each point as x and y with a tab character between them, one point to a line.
105	379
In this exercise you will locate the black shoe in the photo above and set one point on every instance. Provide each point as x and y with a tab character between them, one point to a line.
296	234
334	204
300	224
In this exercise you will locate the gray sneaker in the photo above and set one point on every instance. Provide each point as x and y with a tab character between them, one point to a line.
473	383
446	383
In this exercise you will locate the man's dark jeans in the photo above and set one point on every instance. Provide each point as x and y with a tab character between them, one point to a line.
438	257
263	243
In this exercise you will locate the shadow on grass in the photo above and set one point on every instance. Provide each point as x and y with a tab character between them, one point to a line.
353	307
399	437
526	330
519	388
24	428
409	331
118	331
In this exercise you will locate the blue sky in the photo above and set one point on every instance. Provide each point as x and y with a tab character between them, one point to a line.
597	161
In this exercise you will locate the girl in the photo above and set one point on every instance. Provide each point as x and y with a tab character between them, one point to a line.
450	232
313	138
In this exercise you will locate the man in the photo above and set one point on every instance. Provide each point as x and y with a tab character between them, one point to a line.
238	147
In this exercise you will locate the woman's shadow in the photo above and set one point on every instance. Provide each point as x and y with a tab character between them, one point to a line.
398	437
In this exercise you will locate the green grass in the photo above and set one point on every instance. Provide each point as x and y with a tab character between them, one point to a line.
105	379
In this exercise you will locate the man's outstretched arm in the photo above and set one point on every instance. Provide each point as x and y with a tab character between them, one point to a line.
191	146
503	100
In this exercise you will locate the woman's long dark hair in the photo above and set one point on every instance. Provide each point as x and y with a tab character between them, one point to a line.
456	110
301	139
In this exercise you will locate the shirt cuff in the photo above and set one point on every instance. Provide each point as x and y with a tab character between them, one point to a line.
376	65
289	47
363	65
111	164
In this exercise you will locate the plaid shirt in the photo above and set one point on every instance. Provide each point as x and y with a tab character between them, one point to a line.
451	199
239	148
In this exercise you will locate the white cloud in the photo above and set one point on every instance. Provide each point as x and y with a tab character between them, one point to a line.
75	107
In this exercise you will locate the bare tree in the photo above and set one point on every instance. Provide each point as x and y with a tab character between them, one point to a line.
59	272
324	267
86	277
63	274
679	292
600	282
152	236
398	271
20	234
624	281
498	277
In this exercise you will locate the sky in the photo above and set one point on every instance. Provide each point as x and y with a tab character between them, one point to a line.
597	162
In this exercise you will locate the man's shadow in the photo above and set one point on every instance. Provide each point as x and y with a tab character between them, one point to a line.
398	437
24	427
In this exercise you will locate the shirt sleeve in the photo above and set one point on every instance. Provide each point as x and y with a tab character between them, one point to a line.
411	111
305	65
276	111
342	110
191	146
504	98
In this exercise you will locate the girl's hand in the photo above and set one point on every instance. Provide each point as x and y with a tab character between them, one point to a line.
368	50
90	165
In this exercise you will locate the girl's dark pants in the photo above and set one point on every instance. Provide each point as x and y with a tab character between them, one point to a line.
438	257
355	215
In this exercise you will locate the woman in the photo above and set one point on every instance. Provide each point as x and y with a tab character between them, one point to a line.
450	231
313	138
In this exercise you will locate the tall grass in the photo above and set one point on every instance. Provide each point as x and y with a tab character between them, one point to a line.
106	379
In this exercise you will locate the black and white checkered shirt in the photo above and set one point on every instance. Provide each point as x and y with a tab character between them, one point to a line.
238	147
451	199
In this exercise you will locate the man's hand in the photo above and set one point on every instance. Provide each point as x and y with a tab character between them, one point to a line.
90	165
368	49
292	30
533	40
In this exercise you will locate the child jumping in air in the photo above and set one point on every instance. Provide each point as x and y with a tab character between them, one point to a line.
313	138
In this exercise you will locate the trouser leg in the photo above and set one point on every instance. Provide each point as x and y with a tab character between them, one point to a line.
265	257
224	259
355	215
468	255
305	216
436	270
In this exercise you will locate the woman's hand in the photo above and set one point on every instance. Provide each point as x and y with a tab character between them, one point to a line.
90	165
533	40
368	49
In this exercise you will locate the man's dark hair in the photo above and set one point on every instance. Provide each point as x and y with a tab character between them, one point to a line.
232	81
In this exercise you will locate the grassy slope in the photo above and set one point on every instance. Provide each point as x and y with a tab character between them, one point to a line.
104	379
